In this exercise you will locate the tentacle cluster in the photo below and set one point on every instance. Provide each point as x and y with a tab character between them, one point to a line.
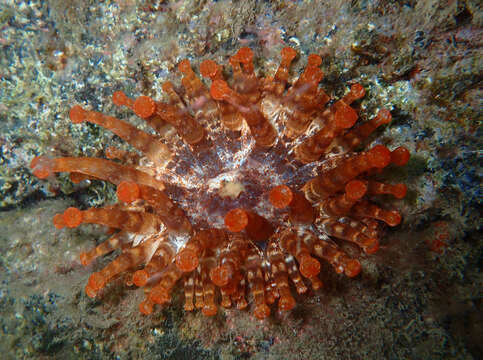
289	149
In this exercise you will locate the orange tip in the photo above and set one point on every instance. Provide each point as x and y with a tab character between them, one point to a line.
58	221
355	189
353	268
309	267
184	66
144	107
288	53
357	91
72	217
221	275
236	220
187	260
128	191
208	68
159	295
400	156
379	156
280	196
286	303
383	116
146	307
314	60
245	55
345	116
140	278
119	98
77	114
262	311
41	167
219	90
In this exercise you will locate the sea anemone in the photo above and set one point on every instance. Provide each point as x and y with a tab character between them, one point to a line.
241	193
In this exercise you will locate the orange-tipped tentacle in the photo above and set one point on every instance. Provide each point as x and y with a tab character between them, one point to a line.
330	252
311	75
174	113
256	283
261	129
129	259
178	115
338	117
132	221
333	227
277	84
245	81
170	214
98	168
294	274
356	136
367	209
189	292
288	55
230	260
155	150
400	156
192	84
199	300
334	180
276	257
204	108
146	307
188	258
119	98
207	264
356	92
230	117
161	292
245	57
305	98
239	297
104	248
291	243
210	69
340	205
143	106
160	260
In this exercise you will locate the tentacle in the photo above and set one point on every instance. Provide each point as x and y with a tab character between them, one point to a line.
332	181
44	167
155	150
